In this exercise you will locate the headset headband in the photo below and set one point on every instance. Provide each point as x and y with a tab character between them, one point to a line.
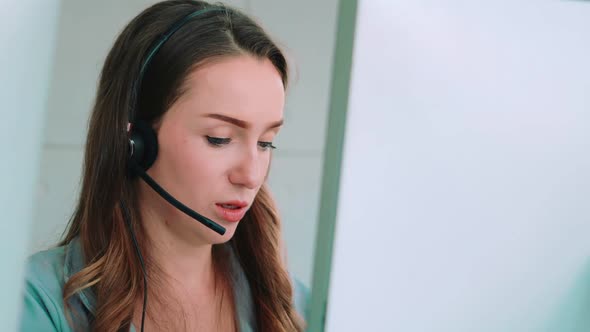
156	48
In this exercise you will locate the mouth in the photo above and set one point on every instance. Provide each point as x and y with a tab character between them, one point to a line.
232	211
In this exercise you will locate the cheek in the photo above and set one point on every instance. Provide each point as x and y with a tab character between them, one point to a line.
266	166
269	165
197	161
185	158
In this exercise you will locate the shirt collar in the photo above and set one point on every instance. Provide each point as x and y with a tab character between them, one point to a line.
74	263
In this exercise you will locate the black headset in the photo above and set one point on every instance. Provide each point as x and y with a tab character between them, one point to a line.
143	142
143	151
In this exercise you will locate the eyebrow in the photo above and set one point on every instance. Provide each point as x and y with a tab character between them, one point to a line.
240	123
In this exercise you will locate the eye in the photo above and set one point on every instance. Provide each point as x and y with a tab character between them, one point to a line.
218	141
266	145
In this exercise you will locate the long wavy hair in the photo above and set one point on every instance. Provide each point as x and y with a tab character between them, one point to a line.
112	269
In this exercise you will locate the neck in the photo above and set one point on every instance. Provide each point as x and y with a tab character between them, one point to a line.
182	267
181	260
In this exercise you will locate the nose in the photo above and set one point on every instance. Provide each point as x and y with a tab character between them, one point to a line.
247	173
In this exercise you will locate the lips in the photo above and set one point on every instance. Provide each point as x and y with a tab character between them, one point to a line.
232	211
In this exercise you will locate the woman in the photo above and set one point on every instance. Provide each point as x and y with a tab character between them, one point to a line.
189	100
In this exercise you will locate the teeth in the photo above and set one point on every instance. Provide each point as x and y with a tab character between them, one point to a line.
233	207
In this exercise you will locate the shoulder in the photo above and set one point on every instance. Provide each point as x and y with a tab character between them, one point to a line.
301	297
46	267
42	307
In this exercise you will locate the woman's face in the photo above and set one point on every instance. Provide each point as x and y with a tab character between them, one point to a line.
215	144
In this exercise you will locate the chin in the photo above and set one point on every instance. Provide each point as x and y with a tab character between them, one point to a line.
214	238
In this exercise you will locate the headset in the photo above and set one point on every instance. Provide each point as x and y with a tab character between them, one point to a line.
143	151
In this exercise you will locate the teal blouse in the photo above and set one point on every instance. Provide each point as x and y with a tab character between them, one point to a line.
47	272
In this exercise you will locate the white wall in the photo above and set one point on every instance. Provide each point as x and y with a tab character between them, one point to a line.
464	202
27	38
87	30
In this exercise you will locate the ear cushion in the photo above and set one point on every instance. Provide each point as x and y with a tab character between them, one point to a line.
145	144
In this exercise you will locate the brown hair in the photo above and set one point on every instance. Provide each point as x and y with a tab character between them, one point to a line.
112	270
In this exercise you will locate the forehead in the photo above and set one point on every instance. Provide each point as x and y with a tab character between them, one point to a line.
242	86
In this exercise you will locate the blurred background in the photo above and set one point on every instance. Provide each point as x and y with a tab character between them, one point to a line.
433	173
